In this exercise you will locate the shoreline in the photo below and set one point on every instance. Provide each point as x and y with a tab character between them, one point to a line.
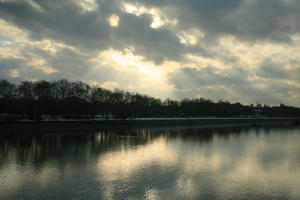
49	127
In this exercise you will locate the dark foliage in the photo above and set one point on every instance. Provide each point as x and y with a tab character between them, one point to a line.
77	100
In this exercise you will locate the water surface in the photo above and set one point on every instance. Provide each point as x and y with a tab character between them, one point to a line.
165	163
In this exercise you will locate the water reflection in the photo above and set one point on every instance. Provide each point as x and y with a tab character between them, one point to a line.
166	163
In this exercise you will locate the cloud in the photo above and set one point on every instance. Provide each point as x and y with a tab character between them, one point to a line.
154	44
239	50
248	20
92	30
232	84
60	21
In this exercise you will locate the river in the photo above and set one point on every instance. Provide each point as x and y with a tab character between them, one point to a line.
153	163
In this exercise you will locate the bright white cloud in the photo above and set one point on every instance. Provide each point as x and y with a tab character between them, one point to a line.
114	20
145	76
87	5
158	18
9	31
176	49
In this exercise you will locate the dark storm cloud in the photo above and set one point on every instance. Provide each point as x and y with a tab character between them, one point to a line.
154	44
63	21
88	33
271	20
270	70
59	20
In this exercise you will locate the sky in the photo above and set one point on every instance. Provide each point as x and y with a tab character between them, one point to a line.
235	50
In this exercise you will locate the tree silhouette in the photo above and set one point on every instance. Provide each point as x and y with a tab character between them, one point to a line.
65	99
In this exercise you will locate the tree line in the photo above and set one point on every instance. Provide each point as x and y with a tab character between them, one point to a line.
69	99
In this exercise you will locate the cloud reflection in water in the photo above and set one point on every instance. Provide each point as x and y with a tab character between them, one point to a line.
178	163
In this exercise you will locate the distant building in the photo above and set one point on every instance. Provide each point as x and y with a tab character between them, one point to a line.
258	110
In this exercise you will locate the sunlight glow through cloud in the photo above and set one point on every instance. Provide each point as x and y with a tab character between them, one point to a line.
128	60
158	18
114	20
87	5
14	73
164	47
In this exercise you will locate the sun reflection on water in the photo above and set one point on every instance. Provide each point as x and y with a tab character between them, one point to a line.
125	162
153	164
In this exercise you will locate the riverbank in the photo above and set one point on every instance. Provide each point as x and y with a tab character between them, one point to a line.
40	127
